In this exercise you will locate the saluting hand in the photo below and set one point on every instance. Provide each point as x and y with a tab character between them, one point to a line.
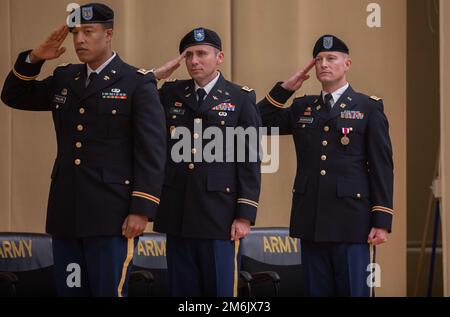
134	225
51	48
168	68
296	81
240	229
378	236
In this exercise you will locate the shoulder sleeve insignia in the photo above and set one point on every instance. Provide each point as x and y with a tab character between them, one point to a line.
171	80
64	65
143	71
247	89
375	98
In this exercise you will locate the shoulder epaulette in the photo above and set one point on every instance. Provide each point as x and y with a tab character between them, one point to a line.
170	80
247	89
375	98
143	71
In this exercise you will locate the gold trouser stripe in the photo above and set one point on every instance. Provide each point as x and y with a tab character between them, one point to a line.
372	260
274	102
236	268
23	77
130	251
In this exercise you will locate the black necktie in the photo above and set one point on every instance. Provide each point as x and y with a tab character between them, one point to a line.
92	77
201	93
328	98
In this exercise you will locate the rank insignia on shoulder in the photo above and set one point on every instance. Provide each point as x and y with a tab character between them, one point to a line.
143	71
300	97
247	89
171	80
64	65
375	98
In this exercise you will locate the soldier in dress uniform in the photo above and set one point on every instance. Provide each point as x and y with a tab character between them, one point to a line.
207	205
109	169
343	190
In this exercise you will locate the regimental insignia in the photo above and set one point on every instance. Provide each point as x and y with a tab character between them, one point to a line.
375	98
247	89
343	105
87	13
144	71
106	78
199	35
64	92
327	42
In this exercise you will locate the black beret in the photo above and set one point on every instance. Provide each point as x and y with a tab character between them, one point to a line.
330	43
96	13
200	36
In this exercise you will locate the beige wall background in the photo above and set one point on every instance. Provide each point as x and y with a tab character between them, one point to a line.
264	41
445	140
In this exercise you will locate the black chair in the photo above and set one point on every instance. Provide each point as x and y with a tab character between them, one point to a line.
150	261
274	261
27	258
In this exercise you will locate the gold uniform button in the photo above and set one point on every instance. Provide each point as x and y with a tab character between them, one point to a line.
222	122
227	189
78	145
191	166
198	121
358	195
196	136
323	172
325	143
303	126
114	111
326	128
323	157
127	182
77	162
194	151
174	117
57	106
82	111
80	127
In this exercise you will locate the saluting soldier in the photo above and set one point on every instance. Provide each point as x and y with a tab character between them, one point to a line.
342	198
109	169
207	205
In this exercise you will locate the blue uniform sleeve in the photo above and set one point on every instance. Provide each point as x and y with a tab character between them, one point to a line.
381	175
273	113
249	171
149	148
22	91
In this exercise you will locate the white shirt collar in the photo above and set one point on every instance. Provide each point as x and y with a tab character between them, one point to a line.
336	94
209	86
102	67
